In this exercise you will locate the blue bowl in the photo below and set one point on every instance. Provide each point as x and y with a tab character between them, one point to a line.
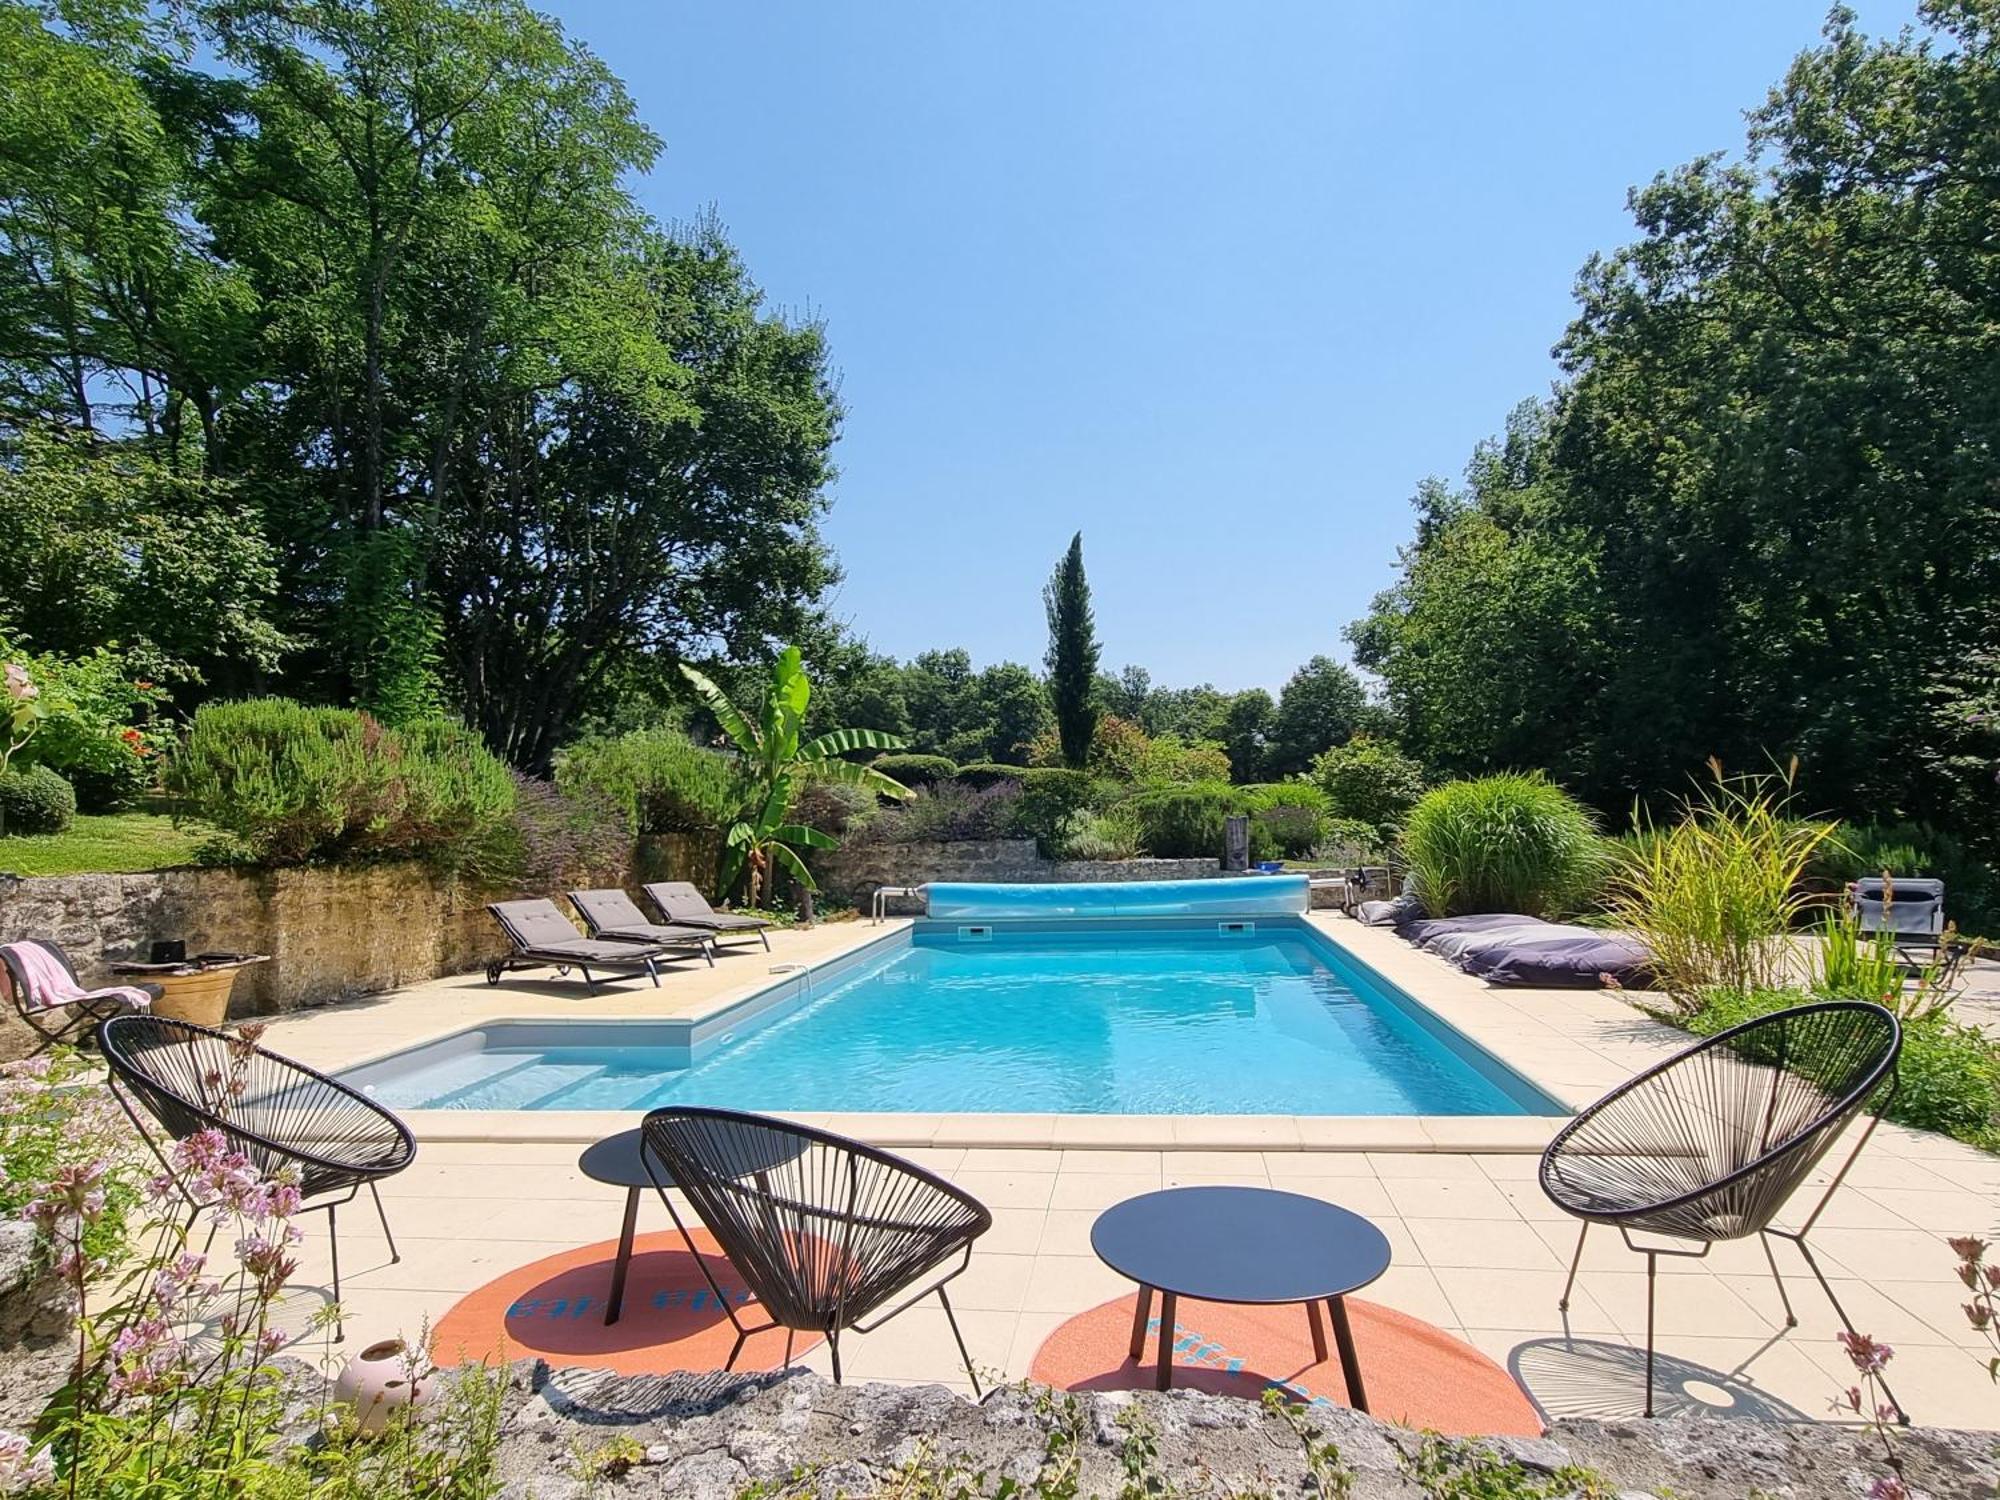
1270	866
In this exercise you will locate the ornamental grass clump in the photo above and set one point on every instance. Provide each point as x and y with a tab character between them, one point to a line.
1715	894
1506	843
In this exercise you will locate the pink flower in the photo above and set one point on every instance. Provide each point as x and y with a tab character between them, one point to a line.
1967	1247
1865	1353
1888	1487
21	1466
20	686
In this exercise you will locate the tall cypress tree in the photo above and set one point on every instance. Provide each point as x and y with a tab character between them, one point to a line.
1072	658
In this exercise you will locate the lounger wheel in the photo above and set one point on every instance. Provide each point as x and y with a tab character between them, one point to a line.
493	972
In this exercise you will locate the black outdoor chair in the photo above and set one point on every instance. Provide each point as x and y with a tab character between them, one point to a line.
277	1112
824	1230
65	1021
1708	1145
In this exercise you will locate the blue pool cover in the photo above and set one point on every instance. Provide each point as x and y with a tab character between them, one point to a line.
1239	897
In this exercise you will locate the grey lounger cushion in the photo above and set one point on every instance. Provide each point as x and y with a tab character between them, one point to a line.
611	914
680	902
537	927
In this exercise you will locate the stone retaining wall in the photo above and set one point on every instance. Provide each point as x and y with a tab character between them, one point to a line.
332	932
851	874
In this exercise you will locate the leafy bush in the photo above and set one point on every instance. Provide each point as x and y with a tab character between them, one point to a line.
1369	780
57	1115
659	779
553	839
1089	835
1950	1074
915	770
292	784
947	813
1186	822
1171	759
95	726
835	807
1511	843
1712	894
989	773
35	800
1048	796
1289	818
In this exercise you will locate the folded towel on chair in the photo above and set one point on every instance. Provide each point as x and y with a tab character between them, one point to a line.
50	984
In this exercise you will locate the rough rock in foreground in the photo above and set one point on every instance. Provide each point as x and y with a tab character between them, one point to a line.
712	1437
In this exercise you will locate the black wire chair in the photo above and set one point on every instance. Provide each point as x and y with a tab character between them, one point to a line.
1710	1144
823	1229
277	1112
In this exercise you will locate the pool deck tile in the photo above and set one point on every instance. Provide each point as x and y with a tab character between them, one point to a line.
1478	1250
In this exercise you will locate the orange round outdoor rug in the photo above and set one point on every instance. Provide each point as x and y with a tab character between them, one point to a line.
670	1319
1414	1373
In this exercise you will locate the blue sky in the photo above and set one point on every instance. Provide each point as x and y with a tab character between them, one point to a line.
1216	283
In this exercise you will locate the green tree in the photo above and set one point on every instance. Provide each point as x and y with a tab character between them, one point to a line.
1072	655
778	760
1321	705
1244	731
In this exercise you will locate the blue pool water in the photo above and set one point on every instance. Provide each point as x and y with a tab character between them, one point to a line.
1100	1022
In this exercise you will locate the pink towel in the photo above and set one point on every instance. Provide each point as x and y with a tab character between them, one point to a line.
50	986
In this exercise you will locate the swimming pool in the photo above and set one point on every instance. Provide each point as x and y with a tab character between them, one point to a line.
1040	1017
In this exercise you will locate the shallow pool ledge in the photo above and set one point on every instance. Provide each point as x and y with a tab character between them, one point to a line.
1510	1134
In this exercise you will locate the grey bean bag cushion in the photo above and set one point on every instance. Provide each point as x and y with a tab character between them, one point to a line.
1397	913
1441	935
1551	956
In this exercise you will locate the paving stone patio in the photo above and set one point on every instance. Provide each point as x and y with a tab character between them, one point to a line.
1478	1250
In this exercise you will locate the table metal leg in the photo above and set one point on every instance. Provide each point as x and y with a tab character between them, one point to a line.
1350	1366
1319	1332
1139	1322
624	1260
1166	1376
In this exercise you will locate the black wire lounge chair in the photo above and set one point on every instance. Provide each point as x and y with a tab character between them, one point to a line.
277	1112
680	903
60	1020
612	915
1708	1145
542	935
824	1230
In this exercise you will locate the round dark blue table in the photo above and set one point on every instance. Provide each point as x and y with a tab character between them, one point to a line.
1243	1245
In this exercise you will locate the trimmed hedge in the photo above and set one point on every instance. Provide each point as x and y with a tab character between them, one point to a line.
982	774
915	770
35	800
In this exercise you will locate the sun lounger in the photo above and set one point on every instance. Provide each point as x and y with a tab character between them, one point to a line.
612	915
542	935
683	905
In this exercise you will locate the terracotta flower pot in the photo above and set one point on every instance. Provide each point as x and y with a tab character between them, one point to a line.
381	1380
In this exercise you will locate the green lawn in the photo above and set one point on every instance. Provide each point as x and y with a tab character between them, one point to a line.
107	845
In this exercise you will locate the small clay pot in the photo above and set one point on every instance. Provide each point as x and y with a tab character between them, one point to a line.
380	1381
